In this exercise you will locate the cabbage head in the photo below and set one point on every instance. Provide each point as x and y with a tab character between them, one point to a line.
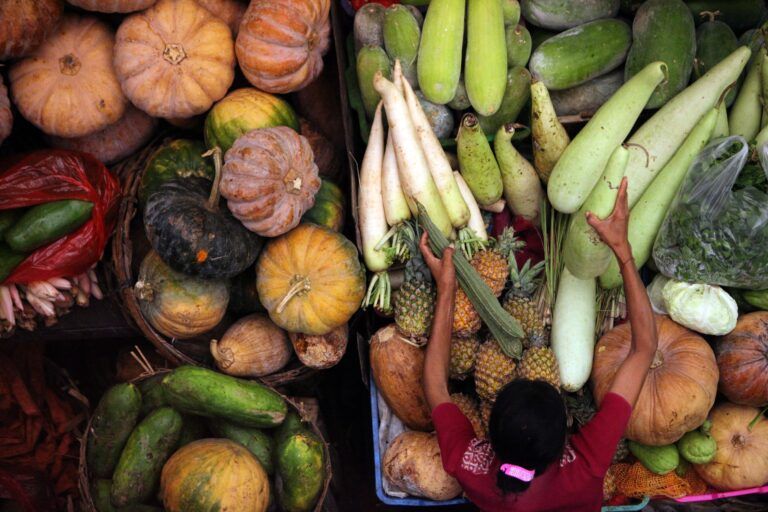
700	307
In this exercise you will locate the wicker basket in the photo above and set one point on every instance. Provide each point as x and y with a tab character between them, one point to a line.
85	488
129	246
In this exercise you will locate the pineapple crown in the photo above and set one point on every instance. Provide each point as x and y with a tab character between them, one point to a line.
416	269
508	244
525	280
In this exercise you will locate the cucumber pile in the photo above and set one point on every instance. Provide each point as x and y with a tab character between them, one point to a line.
137	428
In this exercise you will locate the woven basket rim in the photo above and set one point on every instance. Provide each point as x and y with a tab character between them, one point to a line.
84	479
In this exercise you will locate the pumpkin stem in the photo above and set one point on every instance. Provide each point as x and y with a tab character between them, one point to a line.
757	418
213	199
144	291
301	285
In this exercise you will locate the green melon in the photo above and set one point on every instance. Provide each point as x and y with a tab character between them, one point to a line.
244	110
179	158
329	205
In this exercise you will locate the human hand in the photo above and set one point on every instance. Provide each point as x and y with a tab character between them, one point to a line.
442	268
613	229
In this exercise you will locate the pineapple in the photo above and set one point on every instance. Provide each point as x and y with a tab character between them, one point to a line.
581	407
539	363
622	451
466	319
469	408
493	369
414	302
492	263
520	304
463	354
485	414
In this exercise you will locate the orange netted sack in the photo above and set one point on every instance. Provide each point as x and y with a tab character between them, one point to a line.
637	482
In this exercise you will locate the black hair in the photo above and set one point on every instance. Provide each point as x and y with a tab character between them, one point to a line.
528	426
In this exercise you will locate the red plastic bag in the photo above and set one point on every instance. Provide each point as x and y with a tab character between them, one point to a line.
55	175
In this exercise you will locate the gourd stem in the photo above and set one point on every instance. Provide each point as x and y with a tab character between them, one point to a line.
757	418
299	286
213	199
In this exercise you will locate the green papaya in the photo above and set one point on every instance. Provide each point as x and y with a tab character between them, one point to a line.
257	441
519	45
112	424
152	395
714	41
565	14
740	15
657	459
300	459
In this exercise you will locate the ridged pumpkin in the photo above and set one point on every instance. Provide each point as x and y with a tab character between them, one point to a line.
252	347
741	460
6	116
68	87
214	474
244	110
270	179
281	43
321	352
229	11
177	305
742	357
310	280
680	387
178	158
24	24
112	5
328	210
179	67
116	141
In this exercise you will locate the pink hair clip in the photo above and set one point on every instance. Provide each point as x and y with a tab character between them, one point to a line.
526	475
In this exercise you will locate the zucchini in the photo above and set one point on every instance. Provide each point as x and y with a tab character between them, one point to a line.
516	95
439	61
714	41
519	45
44	223
9	260
257	441
300	459
112	424
371	60
485	65
368	27
401	39
740	15
137	474
476	162
663	30
8	218
587	97
203	392
580	54
565	14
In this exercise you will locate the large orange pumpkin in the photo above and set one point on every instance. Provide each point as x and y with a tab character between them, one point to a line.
742	357
24	24
6	117
270	179
281	43
310	280
214	474
112	5
741	460
180	66
230	11
68	87
680	387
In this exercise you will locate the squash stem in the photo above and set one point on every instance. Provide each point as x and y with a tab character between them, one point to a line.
302	285
213	199
757	418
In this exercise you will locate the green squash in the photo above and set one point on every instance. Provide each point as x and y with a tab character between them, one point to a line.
329	206
300	459
657	459
244	110
698	446
179	158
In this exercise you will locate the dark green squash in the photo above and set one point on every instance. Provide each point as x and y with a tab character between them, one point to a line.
193	233
179	158
329	205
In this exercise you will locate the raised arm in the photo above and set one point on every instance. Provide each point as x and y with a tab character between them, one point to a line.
439	346
613	231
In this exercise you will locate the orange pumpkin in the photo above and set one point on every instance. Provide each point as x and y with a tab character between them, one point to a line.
112	5
310	280
230	11
6	117
24	24
179	67
68	87
741	460
281	43
680	387
742	357
270	179
116	141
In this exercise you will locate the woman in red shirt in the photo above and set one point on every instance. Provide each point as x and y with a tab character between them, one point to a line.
529	464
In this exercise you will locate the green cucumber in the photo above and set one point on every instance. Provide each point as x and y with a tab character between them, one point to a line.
100	489
580	54
368	26
44	223
740	15
192	429
485	65
476	161
9	260
439	62
519	45
714	41
511	10
137	474
589	96
112	424
401	39
300	458
200	391
663	30
565	14
371	60
8	218
257	441
516	95
152	395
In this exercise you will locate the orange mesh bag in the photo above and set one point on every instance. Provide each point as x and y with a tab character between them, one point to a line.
615	473
638	482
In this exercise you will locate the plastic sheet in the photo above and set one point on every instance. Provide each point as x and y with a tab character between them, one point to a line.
55	175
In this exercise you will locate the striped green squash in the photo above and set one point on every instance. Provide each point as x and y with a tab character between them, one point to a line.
329	205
